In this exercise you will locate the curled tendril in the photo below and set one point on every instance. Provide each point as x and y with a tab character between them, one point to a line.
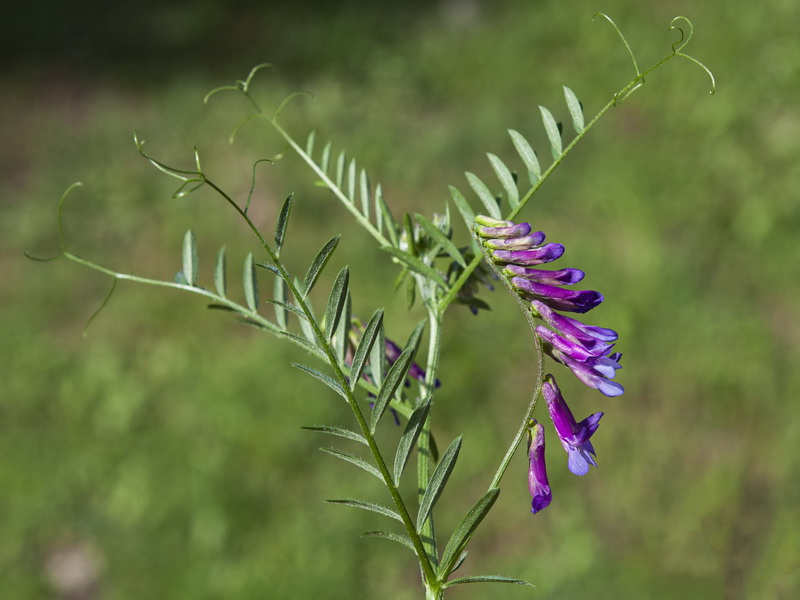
239	85
287	100
622	37
253	182
681	43
100	308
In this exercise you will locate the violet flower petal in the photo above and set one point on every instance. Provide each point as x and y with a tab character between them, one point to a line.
538	484
579	301
561	277
526	242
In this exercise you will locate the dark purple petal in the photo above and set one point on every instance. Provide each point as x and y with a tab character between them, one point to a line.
538	484
526	242
573	329
562	277
545	254
579	301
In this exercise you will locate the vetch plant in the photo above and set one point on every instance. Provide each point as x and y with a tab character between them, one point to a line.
373	374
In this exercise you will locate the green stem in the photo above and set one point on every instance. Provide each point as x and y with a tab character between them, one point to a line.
337	191
424	454
322	341
618	97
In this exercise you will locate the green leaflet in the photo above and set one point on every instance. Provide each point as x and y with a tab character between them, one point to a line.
487	579
283	221
506	179
370	335
553	132
409	438
370	506
319	262
250	283
575	110
353	460
438	481
326	379
339	432
485	196
336	301
464	531
190	261
527	155
220	282
391	536
463	206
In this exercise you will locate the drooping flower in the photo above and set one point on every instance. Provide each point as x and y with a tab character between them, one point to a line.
538	484
574	436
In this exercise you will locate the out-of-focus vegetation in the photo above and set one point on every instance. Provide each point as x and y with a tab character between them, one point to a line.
162	456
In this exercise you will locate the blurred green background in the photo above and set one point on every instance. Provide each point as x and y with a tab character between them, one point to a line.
162	456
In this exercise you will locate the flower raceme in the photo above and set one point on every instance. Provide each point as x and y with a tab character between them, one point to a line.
516	253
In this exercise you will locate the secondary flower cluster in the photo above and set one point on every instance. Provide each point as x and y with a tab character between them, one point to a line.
516	252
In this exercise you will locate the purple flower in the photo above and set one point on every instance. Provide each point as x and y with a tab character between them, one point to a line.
596	372
574	436
562	277
537	471
589	336
579	301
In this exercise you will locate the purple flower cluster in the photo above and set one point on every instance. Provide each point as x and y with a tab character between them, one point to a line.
586	350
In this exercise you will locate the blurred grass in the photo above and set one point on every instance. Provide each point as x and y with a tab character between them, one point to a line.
164	448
